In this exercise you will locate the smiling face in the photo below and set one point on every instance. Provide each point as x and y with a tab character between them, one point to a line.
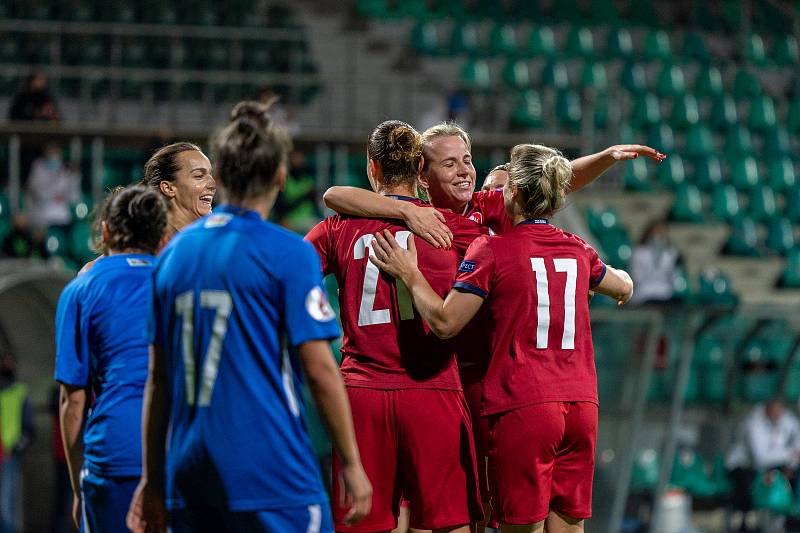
448	175
193	189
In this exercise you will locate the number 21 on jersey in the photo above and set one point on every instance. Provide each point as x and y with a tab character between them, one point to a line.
367	316
570	267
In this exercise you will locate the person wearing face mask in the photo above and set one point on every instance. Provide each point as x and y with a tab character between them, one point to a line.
654	266
16	435
52	187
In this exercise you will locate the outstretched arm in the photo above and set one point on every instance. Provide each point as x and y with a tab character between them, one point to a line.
589	167
426	222
617	284
447	317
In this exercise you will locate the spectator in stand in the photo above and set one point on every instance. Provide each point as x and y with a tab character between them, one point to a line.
654	266
16	434
768	439
22	241
35	101
52	187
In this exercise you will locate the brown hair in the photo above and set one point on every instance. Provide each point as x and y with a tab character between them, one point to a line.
135	216
249	151
163	165
397	148
543	175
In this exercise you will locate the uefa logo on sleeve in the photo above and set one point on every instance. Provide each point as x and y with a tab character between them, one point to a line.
318	307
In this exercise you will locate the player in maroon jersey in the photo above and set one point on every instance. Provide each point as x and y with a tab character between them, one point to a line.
411	419
540	392
448	177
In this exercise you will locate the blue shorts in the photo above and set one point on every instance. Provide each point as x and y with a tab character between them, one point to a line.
105	502
314	518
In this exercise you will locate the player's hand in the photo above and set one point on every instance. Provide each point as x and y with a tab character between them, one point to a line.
623	152
77	508
393	259
357	493
147	512
429	224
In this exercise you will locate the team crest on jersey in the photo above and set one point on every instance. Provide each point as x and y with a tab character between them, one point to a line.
467	266
318	307
477	218
134	262
216	221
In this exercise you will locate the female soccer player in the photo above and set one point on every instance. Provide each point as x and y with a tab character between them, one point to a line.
101	350
410	417
237	310
540	392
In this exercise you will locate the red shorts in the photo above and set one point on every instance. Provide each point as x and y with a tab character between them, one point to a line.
415	444
472	377
541	459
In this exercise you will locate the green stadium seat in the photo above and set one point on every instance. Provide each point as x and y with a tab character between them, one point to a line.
580	42
746	86
786	52
516	74
707	171
644	13
56	242
528	112
374	8
754	50
714	288
708	82
671	173
781	174
662	137
719	475
723	113
619	44
757	385
603	110
688	472
636	177
688	206
776	142
694	47
554	74
503	40
671	81
738	142
475	75
80	209
793	116
646	111
633	78
617	246
743	239
684	111
601	219
645	472
780	236
791	206
568	108
762	207
542	42
657	46
791	276
699	142
425	38
681	286
709	363
744	173
80	242
762	113
594	77
464	39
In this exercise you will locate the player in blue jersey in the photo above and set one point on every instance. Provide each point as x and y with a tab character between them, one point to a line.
238	310
101	350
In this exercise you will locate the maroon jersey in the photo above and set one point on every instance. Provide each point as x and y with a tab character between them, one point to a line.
487	209
535	279
386	344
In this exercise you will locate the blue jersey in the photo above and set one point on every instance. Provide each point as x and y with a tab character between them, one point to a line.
101	344
231	294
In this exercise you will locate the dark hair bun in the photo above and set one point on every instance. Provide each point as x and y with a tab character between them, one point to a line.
405	144
252	110
136	217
